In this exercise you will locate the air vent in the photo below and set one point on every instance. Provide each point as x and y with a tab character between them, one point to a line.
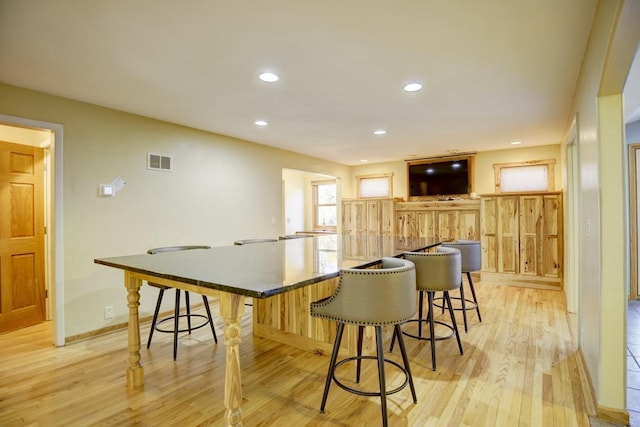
159	162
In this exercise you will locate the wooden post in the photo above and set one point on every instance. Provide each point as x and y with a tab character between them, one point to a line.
135	372
231	309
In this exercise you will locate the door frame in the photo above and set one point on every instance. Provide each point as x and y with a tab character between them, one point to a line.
54	243
633	220
572	219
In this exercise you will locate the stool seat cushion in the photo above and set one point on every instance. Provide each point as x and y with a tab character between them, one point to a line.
382	296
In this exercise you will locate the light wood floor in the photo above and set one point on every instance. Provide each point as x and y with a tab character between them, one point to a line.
520	368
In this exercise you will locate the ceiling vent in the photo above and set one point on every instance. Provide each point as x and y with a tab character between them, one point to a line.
159	162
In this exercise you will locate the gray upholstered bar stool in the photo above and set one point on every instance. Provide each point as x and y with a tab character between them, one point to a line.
371	297
155	324
435	272
471	261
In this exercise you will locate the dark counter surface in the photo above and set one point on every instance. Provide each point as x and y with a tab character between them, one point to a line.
265	269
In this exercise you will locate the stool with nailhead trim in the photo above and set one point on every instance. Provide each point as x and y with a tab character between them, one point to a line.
471	261
371	297
435	272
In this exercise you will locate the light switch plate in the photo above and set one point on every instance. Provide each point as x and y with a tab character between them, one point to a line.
106	190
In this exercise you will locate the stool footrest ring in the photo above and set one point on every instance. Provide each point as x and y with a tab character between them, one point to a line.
370	393
469	304
426	322
193	328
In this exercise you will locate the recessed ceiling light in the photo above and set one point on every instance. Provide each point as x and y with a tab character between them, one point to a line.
269	77
413	87
260	123
380	132
364	161
516	143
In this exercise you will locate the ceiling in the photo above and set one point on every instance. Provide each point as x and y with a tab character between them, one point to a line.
493	71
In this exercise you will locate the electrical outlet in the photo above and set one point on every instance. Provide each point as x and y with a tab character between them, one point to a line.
108	312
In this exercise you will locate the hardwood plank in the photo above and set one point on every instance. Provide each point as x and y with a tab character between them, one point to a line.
520	367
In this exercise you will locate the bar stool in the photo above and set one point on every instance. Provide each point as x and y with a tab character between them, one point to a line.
251	241
375	297
435	272
471	261
294	236
155	324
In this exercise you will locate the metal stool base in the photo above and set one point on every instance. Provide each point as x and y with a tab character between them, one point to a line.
171	318
422	337
370	393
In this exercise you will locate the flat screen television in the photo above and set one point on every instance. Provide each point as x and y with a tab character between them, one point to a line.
439	179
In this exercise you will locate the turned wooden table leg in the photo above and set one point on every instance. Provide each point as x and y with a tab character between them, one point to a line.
135	372
231	309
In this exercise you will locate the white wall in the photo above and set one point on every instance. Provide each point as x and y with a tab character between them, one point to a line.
221	189
295	189
602	204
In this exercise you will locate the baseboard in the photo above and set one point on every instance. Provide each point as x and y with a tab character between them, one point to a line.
119	326
612	415
105	330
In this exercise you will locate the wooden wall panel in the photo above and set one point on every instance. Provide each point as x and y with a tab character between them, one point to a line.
508	235
553	237
523	235
530	235
489	240
426	225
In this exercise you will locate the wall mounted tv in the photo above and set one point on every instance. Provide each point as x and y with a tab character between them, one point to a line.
439	178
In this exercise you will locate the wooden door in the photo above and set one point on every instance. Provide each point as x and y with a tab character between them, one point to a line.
22	287
508	234
468	225
489	244
353	216
386	217
552	236
372	218
531	226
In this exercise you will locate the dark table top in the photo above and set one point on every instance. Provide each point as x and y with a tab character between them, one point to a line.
265	269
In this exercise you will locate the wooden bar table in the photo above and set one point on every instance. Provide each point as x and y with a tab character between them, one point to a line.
282	277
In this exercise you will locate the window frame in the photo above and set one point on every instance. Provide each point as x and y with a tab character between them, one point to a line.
316	205
549	163
361	178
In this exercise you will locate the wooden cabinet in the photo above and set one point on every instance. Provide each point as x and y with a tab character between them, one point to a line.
363	220
367	216
445	220
522	239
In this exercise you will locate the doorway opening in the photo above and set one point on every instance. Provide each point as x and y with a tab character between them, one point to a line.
303	208
49	137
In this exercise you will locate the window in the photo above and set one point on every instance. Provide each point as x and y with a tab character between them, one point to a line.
380	185
523	177
325	213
